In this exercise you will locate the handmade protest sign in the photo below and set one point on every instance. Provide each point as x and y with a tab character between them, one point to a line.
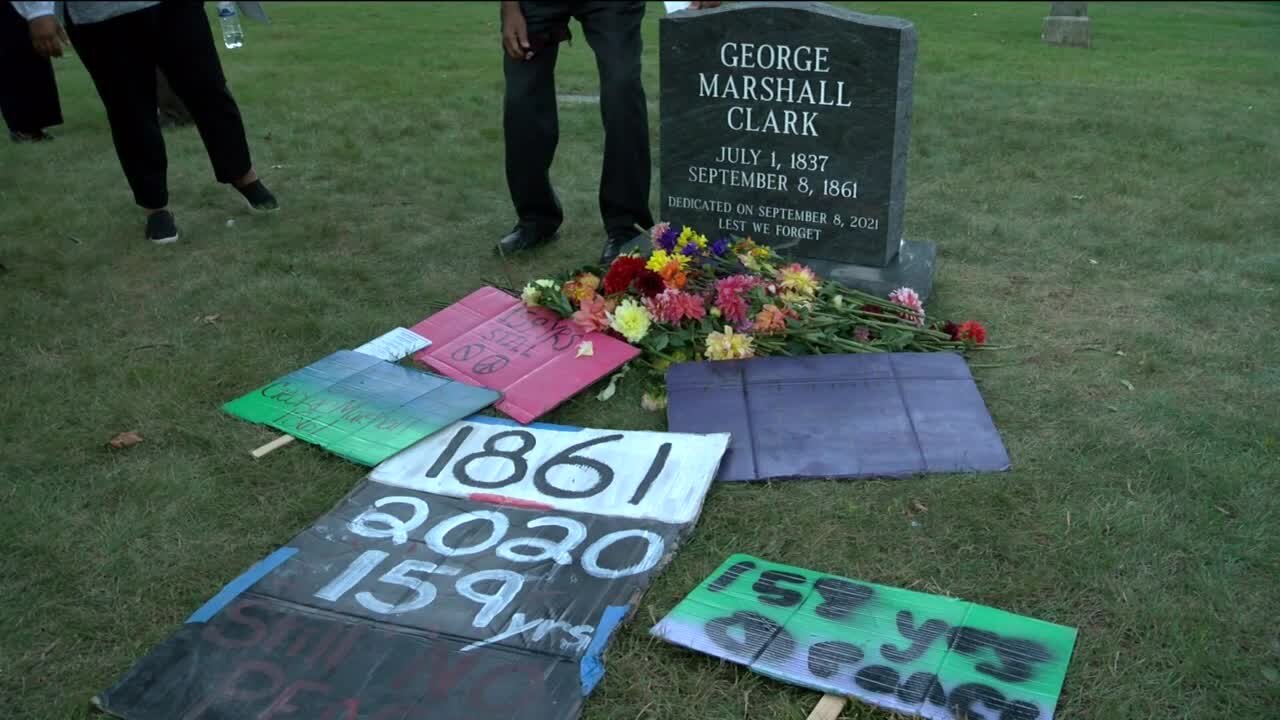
407	605
626	473
394	345
360	407
914	653
839	416
490	338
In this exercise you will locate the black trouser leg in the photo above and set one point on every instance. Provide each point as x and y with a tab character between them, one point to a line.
612	30
120	56
531	128
186	54
28	88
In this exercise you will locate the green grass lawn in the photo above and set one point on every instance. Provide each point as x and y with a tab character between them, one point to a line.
1113	214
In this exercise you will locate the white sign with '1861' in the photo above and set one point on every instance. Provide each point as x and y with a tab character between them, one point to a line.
660	476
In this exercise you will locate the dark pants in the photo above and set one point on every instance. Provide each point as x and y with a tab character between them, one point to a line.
122	54
28	89
531	124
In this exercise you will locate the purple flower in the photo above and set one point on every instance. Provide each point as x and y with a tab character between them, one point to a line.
720	247
691	249
667	241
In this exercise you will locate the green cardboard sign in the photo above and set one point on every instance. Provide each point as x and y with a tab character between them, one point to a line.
361	407
914	653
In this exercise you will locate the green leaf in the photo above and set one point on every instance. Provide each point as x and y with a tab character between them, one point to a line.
678	340
660	342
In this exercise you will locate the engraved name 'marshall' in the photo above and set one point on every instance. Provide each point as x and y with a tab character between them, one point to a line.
773	88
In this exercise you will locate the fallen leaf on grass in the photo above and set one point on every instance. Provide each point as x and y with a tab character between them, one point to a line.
1224	511
1128	385
209	319
1271	674
125	440
919	507
1092	261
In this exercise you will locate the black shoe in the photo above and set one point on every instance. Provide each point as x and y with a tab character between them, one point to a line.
161	228
523	238
616	245
259	197
30	137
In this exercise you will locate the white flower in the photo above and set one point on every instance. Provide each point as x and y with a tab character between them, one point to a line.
531	296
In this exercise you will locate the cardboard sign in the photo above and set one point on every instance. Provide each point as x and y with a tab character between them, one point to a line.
491	339
360	407
918	654
406	605
839	416
662	476
394	345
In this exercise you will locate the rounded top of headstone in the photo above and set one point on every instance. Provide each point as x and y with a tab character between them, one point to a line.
816	8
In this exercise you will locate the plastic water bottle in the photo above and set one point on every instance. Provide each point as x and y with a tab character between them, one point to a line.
232	35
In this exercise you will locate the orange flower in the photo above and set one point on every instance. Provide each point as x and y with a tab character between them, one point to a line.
581	287
673	275
770	320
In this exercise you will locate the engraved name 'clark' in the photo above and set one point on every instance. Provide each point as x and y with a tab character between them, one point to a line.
772	88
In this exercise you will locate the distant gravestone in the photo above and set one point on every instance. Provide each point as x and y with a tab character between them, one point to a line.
1067	24
789	122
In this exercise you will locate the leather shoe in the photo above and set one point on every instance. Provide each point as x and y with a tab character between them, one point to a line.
614	246
521	239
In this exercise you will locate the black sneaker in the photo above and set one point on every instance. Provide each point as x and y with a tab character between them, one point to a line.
522	239
161	228
259	197
616	245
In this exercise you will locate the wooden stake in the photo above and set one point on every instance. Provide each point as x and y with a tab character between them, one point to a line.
273	445
828	708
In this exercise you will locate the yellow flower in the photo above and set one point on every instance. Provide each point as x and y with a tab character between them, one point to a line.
688	235
660	258
632	320
729	345
582	287
798	281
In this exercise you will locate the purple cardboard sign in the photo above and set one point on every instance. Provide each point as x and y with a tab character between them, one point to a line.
838	416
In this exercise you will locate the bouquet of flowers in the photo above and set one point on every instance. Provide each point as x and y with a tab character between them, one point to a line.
690	299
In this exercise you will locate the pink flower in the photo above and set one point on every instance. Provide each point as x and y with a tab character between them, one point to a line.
658	231
673	306
861	334
593	315
907	298
730	297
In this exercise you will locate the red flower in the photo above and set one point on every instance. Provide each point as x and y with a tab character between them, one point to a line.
874	309
972	331
952	329
649	283
621	273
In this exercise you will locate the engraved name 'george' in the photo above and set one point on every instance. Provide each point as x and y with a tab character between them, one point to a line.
773	88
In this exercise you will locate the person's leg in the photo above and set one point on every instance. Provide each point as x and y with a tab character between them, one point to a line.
187	56
613	31
118	55
531	129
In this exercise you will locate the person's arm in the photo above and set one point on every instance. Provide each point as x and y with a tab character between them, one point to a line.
515	32
47	35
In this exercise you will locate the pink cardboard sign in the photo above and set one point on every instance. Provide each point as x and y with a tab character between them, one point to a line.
491	339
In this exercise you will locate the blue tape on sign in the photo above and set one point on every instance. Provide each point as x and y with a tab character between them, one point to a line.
490	420
592	665
240	584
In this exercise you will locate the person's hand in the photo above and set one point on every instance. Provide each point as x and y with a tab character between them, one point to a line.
515	32
704	5
47	36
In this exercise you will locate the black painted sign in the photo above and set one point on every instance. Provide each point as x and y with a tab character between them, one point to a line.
788	122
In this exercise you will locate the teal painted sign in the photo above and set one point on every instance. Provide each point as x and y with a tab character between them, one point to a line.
361	407
914	653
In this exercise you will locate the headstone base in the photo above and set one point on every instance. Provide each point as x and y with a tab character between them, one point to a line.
913	267
1069	31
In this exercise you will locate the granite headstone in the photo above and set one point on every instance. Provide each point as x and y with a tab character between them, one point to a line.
789	122
1067	24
